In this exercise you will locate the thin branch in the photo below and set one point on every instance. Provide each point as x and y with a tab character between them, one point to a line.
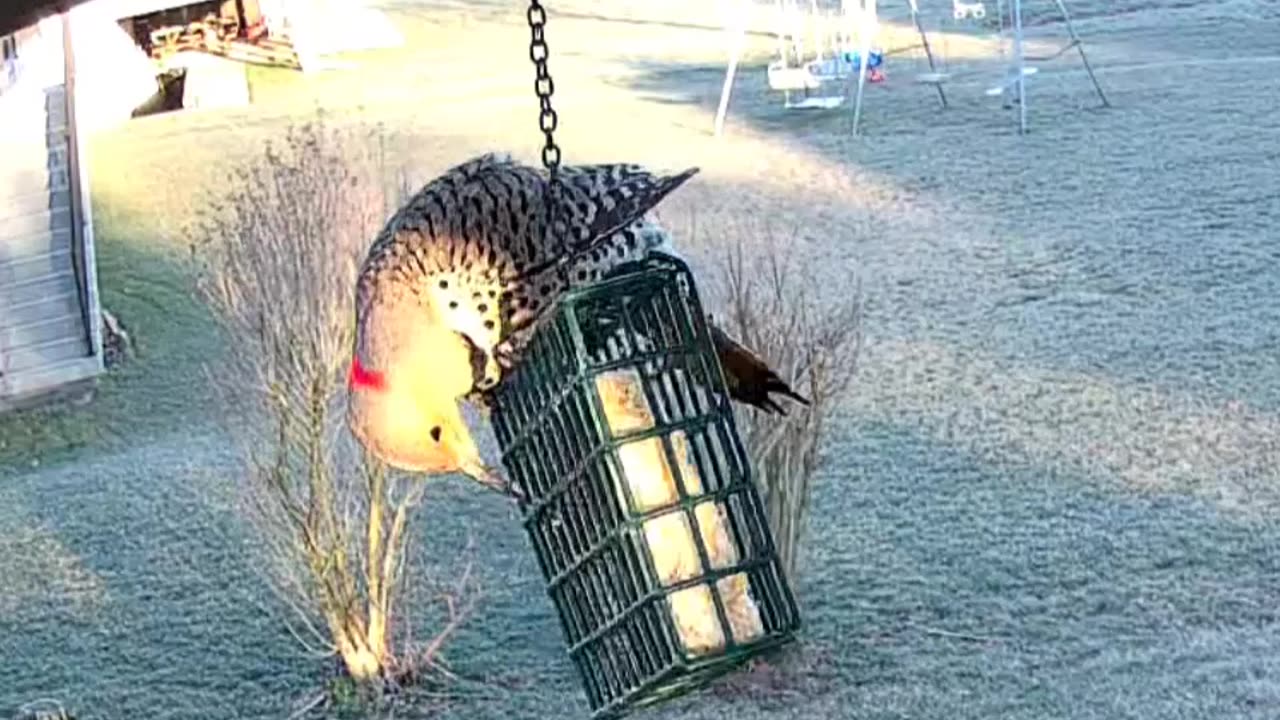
310	705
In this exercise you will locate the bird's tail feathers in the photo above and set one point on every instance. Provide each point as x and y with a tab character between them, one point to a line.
749	378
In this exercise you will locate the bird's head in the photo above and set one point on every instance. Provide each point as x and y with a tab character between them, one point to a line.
407	377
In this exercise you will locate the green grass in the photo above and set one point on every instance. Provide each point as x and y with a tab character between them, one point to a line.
159	388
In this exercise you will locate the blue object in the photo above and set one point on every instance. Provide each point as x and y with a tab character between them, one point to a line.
853	57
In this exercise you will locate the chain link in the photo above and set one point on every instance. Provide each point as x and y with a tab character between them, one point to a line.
544	87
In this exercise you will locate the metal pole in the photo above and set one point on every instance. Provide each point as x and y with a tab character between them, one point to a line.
928	51
788	36
1020	67
735	54
864	46
1000	28
1075	40
816	29
1000	41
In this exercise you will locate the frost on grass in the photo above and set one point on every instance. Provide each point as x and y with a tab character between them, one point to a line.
41	574
1226	453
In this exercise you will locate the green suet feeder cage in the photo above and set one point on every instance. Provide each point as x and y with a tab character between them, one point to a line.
639	499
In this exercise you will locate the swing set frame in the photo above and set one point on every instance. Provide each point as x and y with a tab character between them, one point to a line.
1015	77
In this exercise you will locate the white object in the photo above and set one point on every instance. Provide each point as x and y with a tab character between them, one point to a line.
868	29
114	75
320	28
961	10
651	486
211	81
816	103
782	77
736	29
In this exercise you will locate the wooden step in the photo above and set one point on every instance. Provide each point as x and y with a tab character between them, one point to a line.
27	119
13	295
18	228
23	389
36	243
21	143
18	270
31	149
33	200
51	329
65	300
39	355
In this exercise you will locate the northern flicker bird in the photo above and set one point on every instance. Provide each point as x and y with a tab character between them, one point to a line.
451	288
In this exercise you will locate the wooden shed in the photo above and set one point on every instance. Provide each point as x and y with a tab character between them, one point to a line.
50	333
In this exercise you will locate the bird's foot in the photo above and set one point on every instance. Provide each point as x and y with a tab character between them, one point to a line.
508	355
495	481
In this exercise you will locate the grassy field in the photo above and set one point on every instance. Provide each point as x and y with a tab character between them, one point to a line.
1053	495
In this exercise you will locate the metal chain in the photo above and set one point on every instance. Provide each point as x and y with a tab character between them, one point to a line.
544	87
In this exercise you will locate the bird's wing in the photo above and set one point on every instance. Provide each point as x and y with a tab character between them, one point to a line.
614	196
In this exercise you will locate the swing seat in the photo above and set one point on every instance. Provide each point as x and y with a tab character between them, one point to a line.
933	78
1010	81
816	103
782	77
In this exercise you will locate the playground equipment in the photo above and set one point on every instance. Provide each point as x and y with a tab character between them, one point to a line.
832	57
813	75
1011	86
816	51
1020	70
961	10
793	71
867	38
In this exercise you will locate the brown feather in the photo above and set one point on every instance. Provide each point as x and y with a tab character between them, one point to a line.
749	379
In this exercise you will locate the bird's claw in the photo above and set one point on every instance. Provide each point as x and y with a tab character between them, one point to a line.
508	356
494	480
510	490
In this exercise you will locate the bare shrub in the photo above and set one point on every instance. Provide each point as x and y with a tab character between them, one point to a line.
276	261
813	344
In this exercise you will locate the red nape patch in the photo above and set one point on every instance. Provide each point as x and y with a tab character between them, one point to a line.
359	377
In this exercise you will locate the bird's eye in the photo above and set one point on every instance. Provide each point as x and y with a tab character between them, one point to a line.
435	433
